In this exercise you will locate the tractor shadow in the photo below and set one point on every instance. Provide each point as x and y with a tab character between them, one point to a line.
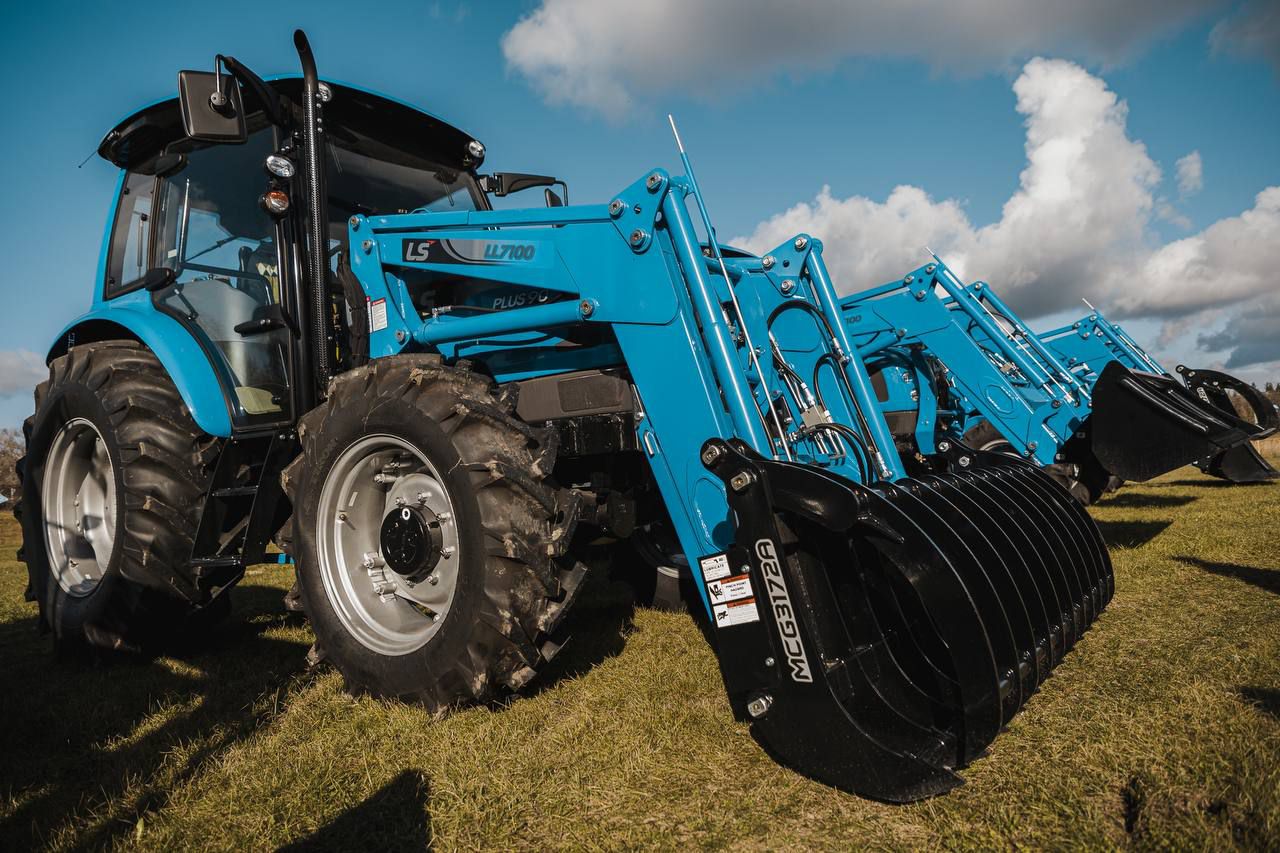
1139	500
595	629
1130	534
1264	579
82	730
1265	699
396	817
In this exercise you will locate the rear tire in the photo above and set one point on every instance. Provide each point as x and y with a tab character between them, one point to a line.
487	623
113	484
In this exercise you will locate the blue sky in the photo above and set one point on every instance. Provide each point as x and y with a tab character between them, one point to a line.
769	123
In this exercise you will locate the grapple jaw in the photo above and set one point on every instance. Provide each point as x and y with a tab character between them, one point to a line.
1242	463
1144	424
896	627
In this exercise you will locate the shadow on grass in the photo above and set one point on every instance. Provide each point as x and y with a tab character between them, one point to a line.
1267	579
396	817
1207	483
597	628
1137	500
1265	699
81	731
1131	534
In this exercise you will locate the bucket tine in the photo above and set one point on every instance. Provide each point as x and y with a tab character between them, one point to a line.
1212	386
1025	569
1039	556
1005	568
995	613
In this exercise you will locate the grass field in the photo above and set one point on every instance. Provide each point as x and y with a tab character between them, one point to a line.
1161	729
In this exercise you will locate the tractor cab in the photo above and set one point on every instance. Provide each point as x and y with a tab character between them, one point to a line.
209	231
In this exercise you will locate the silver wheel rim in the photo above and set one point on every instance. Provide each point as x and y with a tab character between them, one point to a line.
389	614
79	495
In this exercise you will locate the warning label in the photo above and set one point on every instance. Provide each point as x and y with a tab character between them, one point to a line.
736	613
377	315
714	567
729	589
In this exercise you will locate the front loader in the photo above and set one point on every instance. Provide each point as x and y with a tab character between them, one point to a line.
953	362
1090	344
310	325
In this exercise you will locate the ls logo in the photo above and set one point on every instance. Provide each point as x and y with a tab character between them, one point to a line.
417	251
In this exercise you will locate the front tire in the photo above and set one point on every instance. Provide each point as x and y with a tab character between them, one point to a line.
113	481
428	534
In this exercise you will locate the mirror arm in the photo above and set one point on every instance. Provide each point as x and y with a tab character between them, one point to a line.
270	100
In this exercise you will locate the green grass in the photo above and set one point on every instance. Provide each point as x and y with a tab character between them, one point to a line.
1162	728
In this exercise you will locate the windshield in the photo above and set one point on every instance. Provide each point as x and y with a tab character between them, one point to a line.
368	178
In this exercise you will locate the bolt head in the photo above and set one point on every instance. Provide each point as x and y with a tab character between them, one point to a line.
930	268
800	243
433	579
586	308
788	285
944	446
653	181
769	661
741	481
711	453
355	222
760	705
908	279
964	461
638	236
367	246
400	335
768	261
616	206
1031	447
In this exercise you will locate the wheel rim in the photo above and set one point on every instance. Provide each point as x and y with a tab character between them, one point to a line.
79	497
389	612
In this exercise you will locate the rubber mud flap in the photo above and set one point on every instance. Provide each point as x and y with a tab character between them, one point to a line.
1145	424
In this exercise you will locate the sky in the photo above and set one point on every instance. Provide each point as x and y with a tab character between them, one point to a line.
1125	153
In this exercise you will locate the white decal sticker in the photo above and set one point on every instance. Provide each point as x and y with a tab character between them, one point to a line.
730	589
715	567
377	315
783	614
736	613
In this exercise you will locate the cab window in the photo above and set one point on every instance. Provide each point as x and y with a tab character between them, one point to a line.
130	255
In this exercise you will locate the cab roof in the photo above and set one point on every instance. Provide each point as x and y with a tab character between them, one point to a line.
144	134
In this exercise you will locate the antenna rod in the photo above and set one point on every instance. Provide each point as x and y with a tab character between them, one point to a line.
733	296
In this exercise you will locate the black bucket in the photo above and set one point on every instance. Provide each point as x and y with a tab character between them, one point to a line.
1145	424
898	627
1242	463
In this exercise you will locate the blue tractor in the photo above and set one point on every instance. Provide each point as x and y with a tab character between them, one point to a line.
310	325
952	362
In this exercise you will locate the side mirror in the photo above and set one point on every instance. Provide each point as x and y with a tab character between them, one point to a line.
553	200
212	110
505	183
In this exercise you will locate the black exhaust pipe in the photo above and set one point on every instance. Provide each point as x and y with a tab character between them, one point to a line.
317	220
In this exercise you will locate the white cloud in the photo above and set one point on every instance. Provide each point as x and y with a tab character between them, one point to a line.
1079	225
1190	174
20	372
603	54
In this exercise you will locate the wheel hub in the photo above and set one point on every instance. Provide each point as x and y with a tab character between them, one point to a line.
412	542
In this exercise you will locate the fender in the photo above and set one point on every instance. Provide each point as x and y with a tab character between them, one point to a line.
179	353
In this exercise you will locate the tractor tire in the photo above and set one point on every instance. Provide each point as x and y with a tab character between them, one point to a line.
112	488
405	447
984	436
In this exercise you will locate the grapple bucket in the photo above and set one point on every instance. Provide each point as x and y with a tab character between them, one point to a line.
1145	424
1240	464
898	626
